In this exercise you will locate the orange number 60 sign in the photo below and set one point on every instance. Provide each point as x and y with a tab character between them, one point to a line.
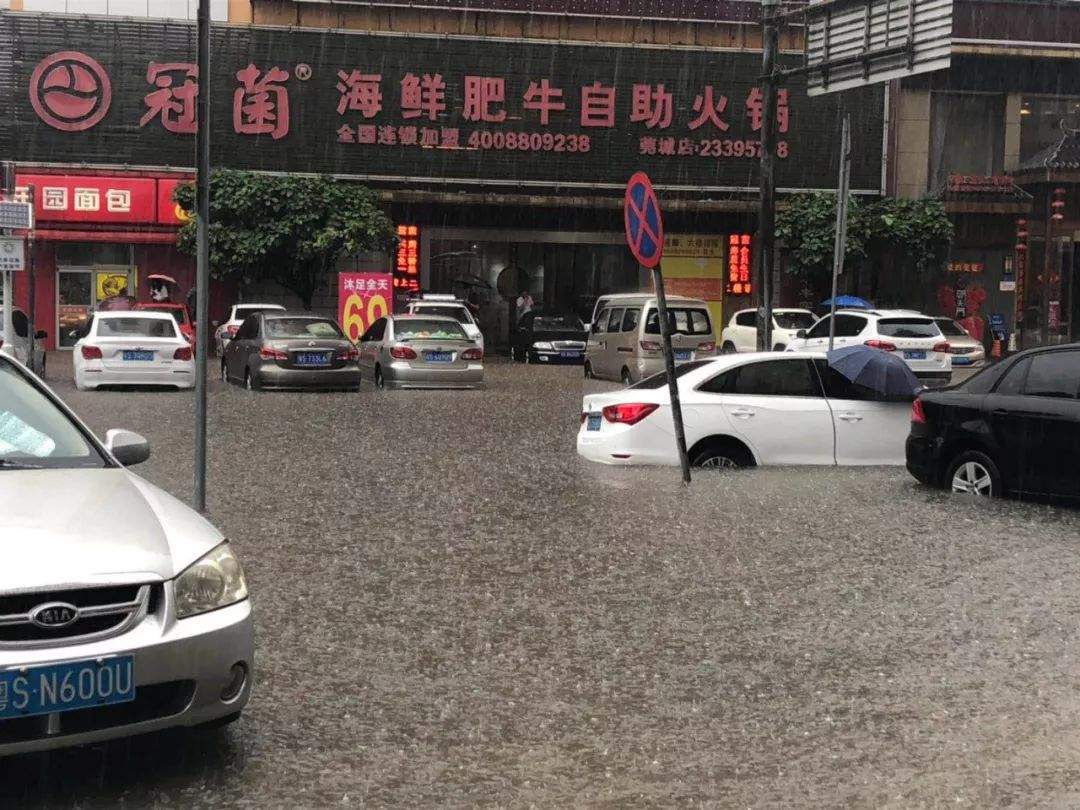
360	314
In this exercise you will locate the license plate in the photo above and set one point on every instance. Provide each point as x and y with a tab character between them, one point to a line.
439	357
64	687
133	355
594	422
961	361
914	355
570	354
683	355
312	359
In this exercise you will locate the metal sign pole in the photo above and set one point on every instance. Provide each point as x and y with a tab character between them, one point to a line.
7	181
767	203
31	310
202	261
840	245
669	367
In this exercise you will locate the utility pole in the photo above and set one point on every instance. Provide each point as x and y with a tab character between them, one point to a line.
202	260
767	206
31	310
7	182
840	245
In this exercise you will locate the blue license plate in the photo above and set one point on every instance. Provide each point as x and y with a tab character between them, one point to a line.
914	355
312	359
64	687
594	422
439	357
685	355
570	355
133	355
961	361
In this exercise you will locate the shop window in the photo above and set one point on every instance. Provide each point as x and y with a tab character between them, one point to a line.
89	254
967	136
1041	122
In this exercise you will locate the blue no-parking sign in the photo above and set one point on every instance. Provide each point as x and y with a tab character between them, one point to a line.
644	224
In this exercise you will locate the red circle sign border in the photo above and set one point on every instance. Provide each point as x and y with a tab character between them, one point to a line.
640	178
42	109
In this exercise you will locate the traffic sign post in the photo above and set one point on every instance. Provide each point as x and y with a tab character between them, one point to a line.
645	237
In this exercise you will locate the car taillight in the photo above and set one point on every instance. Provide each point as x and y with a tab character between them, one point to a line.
918	415
402	353
650	346
91	353
350	355
472	354
944	347
232	330
183	353
270	353
883	345
629	413
707	347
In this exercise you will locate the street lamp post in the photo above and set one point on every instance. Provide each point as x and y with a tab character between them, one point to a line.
202	259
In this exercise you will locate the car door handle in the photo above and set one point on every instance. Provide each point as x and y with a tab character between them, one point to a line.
1002	412
849	417
742	413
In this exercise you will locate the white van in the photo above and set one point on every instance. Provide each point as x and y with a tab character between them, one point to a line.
624	341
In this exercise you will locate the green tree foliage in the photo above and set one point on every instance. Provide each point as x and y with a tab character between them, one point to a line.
288	229
916	232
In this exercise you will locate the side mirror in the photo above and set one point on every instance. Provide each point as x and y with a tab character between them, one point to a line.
801	333
41	334
127	447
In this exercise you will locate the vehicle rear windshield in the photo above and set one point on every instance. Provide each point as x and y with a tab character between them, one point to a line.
178	314
243	313
684	320
301	328
661	379
460	314
908	328
951	329
558	323
423	329
136	327
794	320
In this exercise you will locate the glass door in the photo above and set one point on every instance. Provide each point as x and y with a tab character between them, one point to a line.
74	303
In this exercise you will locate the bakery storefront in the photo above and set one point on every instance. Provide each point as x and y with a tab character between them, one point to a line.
502	158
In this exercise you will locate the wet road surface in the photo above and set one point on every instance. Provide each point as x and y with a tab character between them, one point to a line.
453	609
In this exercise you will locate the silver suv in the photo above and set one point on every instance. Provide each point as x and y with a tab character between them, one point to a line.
122	611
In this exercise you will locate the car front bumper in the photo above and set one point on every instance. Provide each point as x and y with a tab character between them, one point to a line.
573	357
181	667
270	375
403	375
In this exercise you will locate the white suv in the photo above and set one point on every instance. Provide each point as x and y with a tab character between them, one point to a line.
914	336
448	306
740	335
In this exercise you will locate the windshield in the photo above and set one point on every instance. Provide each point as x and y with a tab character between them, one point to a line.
661	379
460	314
794	320
557	323
301	328
243	313
685	321
34	432
951	328
178	314
423	329
908	328
135	327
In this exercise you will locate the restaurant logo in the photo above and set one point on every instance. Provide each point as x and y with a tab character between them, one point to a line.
70	91
54	615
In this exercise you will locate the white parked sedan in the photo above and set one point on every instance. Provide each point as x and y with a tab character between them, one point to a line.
745	410
740	335
237	315
122	611
133	348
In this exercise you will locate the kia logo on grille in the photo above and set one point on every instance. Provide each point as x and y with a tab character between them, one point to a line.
54	615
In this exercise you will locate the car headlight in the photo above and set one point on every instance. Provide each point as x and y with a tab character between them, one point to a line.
543	346
213	582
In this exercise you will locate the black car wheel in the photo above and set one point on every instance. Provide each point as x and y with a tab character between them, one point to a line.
224	372
974	473
721	455
249	380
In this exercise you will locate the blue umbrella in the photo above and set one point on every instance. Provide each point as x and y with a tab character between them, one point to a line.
848	302
880	371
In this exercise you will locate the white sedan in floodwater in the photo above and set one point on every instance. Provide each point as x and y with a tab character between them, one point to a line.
745	410
133	348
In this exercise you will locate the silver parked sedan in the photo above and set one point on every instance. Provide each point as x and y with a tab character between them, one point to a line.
279	350
122	611
420	351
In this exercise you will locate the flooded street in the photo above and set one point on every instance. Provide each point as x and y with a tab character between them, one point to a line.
452	608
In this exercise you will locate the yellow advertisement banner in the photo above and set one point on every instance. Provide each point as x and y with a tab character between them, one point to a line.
693	266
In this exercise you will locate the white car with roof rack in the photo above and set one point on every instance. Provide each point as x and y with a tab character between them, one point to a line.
447	306
915	337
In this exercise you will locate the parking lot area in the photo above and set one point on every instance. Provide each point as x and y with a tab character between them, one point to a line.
452	608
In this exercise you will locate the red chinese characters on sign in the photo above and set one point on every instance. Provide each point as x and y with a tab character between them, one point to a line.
755	109
652	106
407	264
173	102
261	103
597	105
738	280
544	99
709	109
67	198
481	92
423	96
360	92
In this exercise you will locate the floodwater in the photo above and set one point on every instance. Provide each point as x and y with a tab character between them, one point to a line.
453	609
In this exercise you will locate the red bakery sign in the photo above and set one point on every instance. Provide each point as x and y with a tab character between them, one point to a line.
103	200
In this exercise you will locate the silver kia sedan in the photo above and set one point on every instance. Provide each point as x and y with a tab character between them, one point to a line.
420	351
122	611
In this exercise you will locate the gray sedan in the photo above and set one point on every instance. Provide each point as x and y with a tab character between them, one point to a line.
279	350
420	351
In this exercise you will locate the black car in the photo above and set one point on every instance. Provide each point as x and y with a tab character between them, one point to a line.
545	337
1013	427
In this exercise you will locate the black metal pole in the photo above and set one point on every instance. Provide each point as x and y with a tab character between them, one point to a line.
31	309
767	203
669	367
202	261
